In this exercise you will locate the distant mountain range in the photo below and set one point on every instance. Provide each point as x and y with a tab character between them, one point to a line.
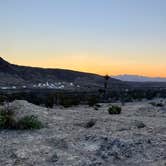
137	78
14	76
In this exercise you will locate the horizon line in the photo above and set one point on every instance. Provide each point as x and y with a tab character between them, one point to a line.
84	71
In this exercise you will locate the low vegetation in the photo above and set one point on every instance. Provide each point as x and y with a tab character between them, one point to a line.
8	121
160	104
92	101
114	109
29	122
49	101
97	106
69	102
67	99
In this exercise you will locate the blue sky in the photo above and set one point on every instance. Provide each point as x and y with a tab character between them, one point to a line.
126	36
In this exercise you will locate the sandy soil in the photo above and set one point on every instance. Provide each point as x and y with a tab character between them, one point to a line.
136	137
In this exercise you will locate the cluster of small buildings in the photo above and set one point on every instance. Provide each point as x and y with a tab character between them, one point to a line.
47	85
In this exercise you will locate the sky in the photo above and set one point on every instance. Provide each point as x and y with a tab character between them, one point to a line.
98	36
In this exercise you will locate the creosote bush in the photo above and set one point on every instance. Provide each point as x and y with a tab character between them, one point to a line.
8	121
29	122
92	101
157	104
69	102
49	101
114	109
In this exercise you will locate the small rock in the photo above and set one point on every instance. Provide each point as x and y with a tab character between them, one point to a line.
22	154
88	124
53	158
139	124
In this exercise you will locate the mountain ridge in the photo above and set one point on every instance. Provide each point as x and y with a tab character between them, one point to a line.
17	75
139	78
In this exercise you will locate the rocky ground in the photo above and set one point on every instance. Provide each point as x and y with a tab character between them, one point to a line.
136	137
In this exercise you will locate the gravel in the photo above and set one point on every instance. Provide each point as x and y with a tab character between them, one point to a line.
136	137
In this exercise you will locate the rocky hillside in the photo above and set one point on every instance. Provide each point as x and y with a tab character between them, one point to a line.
22	76
136	137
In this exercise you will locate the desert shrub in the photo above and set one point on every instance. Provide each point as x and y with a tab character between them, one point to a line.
157	104
2	99
153	103
92	101
97	105
7	120
49	102
114	109
29	122
69	101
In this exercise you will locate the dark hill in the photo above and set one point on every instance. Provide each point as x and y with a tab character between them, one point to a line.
12	74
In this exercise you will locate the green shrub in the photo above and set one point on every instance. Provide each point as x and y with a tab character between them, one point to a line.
7	120
29	122
49	103
114	109
92	101
69	102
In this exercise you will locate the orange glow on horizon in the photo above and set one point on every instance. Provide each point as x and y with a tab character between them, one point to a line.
92	62
111	71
